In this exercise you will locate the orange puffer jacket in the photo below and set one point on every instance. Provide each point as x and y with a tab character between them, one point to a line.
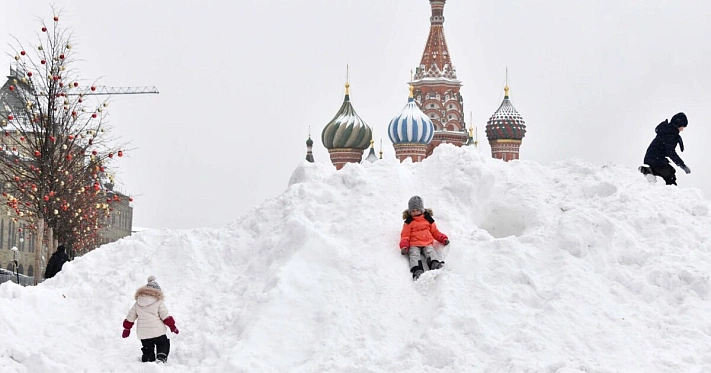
420	230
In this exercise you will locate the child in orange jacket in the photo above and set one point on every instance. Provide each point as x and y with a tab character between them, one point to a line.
418	234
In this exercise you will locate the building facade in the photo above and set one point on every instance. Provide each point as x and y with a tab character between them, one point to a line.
12	230
13	234
120	223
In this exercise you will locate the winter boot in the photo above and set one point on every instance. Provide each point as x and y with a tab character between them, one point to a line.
148	354
417	270
436	264
162	358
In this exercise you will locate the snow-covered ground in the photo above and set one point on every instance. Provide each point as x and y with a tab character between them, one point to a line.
574	267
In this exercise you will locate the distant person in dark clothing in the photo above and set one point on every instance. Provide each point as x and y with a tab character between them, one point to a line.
664	146
56	262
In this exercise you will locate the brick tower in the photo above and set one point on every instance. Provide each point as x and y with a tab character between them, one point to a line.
437	87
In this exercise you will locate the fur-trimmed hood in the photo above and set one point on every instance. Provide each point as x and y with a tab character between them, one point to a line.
406	213
146	295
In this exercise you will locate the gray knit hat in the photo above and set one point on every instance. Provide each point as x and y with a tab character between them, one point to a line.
152	283
415	203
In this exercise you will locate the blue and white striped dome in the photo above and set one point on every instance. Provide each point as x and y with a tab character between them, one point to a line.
411	125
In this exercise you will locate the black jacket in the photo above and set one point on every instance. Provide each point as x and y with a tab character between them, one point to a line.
664	145
55	263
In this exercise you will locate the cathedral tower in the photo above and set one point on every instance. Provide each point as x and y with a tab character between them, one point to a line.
437	87
346	136
411	132
505	130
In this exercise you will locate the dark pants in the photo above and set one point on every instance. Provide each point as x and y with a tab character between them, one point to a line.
152	346
665	171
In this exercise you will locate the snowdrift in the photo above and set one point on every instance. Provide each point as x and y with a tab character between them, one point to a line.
572	267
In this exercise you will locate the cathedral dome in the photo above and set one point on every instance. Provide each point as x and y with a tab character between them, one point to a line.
506	123
411	125
346	129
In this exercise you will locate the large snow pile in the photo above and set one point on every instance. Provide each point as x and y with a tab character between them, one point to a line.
569	268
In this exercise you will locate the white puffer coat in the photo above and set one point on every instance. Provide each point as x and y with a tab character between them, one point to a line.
150	311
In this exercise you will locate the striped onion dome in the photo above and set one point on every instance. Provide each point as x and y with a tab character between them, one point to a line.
411	125
346	129
506	123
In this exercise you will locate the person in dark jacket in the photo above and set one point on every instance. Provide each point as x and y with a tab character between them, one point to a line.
56	262
664	146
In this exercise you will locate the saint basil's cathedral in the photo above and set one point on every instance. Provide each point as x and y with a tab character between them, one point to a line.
433	114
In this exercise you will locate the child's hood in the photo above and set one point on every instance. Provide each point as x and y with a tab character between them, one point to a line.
406	213
146	296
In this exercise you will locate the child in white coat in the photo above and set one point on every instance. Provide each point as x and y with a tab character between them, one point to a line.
153	317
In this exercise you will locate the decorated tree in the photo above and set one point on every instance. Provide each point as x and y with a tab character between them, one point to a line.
56	146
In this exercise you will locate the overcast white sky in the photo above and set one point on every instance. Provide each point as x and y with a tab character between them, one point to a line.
242	81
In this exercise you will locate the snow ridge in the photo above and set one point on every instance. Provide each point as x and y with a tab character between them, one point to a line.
565	268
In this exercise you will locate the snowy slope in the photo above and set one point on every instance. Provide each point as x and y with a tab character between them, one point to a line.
569	268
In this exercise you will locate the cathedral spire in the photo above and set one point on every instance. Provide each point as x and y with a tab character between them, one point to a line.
437	87
348	83
437	12
436	61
